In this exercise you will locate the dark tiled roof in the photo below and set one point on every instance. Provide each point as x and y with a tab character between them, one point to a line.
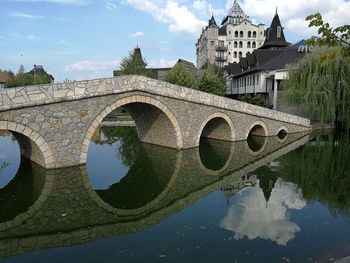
189	65
222	31
233	69
272	39
268	60
212	21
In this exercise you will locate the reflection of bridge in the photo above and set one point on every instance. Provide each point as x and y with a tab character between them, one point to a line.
54	123
55	218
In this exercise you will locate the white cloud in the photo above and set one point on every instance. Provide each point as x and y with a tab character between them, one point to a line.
293	13
92	66
250	216
31	37
207	8
180	18
137	34
111	5
24	15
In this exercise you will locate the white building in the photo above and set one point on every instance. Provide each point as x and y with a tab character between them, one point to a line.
236	37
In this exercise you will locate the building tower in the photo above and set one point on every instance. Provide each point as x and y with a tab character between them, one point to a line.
236	37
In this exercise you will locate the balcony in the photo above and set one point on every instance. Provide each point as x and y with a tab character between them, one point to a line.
220	58
221	48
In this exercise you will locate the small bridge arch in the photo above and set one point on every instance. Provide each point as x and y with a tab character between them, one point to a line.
155	123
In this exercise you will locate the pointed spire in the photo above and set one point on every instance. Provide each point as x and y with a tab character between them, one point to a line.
276	14
212	21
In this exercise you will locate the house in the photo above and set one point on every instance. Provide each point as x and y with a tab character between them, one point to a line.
265	69
38	72
235	38
3	81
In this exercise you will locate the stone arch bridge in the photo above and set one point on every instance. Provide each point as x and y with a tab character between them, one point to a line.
54	123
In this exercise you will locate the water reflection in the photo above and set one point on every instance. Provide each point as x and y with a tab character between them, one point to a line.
159	182
252	216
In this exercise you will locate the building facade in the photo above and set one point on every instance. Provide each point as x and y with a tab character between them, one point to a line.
264	70
236	37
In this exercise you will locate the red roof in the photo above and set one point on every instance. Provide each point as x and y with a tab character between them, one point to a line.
3	79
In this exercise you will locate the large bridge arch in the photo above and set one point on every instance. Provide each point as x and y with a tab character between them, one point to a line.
151	117
32	145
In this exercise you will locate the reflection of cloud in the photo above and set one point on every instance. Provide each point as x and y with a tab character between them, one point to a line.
252	217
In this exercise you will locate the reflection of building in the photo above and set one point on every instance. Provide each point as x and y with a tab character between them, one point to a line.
252	217
264	70
236	37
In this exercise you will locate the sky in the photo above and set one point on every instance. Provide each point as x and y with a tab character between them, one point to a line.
86	39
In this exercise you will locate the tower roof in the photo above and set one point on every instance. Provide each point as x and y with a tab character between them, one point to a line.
237	13
212	21
274	35
236	10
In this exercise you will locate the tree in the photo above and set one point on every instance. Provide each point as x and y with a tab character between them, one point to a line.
321	80
179	75
213	80
133	64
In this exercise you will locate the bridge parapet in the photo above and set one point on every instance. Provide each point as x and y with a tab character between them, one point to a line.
52	93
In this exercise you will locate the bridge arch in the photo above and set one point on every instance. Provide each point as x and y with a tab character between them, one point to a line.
217	126
32	145
258	128
140	107
282	134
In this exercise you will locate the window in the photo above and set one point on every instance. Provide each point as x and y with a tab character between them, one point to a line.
221	43
229	43
241	34
279	32
257	79
229	53
249	34
240	44
212	43
235	44
236	33
248	45
235	54
254	45
254	34
229	32
240	54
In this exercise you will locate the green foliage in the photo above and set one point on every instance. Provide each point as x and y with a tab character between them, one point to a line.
133	64
213	80
24	79
329	180
129	142
328	35
321	82
256	99
179	75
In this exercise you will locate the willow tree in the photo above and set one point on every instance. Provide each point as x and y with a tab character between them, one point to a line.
321	80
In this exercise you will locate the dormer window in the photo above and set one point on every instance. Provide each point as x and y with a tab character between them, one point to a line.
279	29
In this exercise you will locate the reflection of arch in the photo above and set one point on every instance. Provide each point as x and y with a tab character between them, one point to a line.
131	100
256	145
217	126
49	178
136	211
32	145
217	150
282	134
258	128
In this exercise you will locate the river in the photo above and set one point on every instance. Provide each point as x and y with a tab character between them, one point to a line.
276	199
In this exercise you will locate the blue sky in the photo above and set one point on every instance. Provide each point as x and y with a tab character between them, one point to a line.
85	39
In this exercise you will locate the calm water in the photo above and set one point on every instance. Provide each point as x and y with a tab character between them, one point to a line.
265	200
